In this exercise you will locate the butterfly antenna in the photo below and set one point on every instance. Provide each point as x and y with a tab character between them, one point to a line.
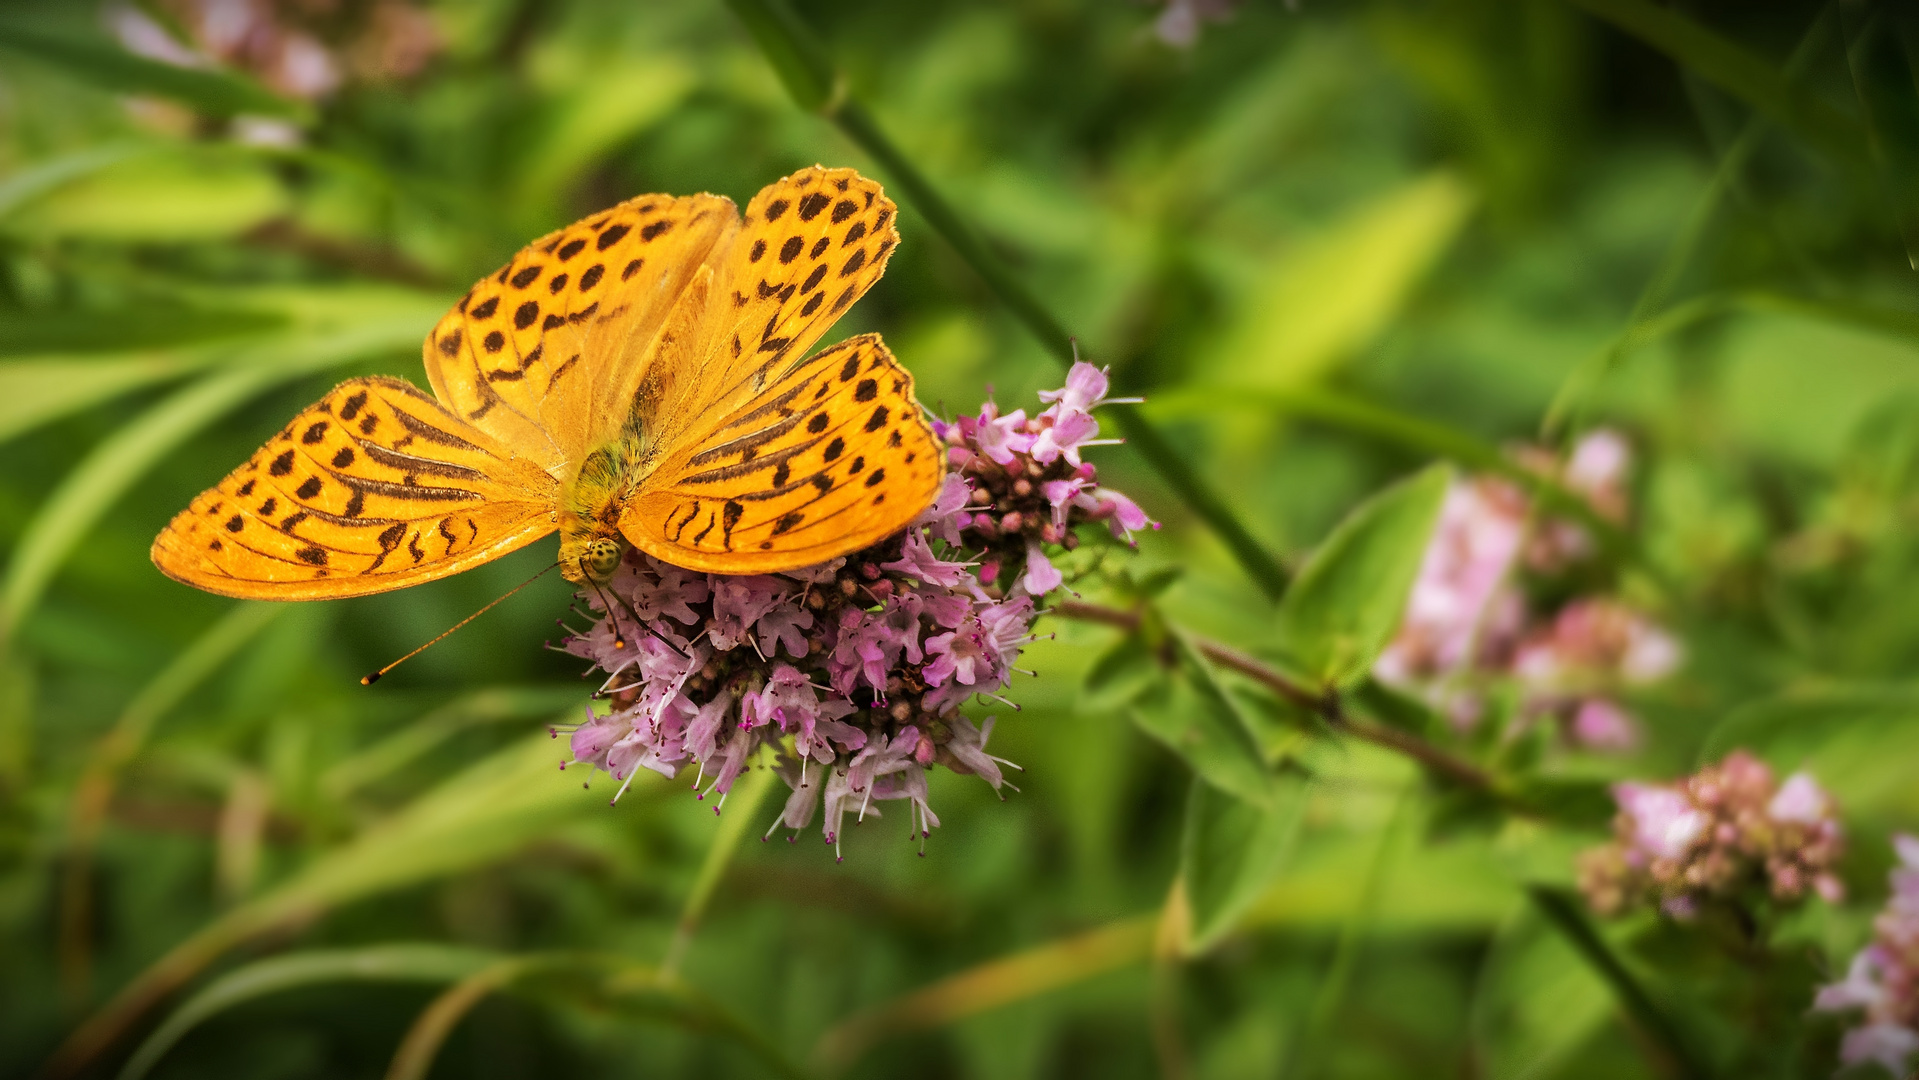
619	635
369	680
612	616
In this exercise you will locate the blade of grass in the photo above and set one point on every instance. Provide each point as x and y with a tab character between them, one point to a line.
378	963
103	63
992	985
111	469
484	814
602	982
803	65
1563	913
414	1057
93	794
1740	73
1644	323
492	705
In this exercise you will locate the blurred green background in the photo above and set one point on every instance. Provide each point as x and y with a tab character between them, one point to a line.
1509	220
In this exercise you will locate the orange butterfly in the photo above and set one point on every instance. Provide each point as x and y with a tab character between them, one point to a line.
629	379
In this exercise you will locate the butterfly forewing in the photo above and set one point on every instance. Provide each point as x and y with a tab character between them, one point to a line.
831	456
809	246
544	354
374	487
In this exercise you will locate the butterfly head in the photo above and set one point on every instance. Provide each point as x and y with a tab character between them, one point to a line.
600	559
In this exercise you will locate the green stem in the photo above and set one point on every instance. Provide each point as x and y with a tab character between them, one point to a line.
803	65
746	797
1563	912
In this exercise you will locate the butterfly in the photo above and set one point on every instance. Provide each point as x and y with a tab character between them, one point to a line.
638	378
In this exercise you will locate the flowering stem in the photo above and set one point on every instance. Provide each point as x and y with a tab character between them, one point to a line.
1563	912
1325	706
815	85
746	797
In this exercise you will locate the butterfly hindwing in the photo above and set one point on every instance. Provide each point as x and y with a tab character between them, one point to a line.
374	487
831	456
540	354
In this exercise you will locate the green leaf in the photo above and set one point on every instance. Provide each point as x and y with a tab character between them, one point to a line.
1346	603
606	111
41	177
1536	1003
1232	850
1329	297
1127	669
184	196
103	63
1572	801
401	962
1196	719
1857	741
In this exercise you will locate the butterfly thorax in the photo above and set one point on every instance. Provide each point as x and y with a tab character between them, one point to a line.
590	542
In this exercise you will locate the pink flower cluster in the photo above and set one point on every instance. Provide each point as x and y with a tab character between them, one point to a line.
301	50
1725	833
1469	625
1883	979
852	672
1027	486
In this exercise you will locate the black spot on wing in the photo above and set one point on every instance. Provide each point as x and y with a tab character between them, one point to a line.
730	516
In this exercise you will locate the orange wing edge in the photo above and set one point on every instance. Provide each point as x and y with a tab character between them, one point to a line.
177	560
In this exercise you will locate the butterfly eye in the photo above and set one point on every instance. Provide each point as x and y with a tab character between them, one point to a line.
602	558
